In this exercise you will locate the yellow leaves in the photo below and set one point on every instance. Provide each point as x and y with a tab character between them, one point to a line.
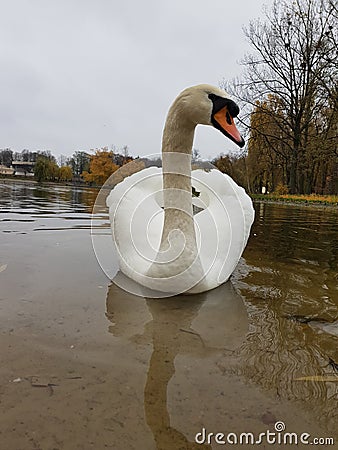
65	173
311	198
46	169
101	167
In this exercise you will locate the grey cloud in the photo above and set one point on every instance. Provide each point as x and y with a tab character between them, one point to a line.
83	74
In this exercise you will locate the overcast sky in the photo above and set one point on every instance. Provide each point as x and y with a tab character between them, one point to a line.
82	74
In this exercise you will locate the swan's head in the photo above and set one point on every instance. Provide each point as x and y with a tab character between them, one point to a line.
208	105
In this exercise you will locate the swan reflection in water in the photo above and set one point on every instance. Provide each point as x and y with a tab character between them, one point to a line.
199	326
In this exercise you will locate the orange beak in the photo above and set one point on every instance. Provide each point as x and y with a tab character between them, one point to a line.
227	126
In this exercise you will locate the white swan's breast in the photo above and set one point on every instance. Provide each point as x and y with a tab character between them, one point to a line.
222	226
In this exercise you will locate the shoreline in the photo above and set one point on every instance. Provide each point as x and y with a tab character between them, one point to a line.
47	183
305	203
256	198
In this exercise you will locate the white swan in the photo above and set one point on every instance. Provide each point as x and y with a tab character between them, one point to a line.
160	243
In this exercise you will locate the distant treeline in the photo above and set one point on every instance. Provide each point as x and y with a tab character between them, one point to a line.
257	171
82	166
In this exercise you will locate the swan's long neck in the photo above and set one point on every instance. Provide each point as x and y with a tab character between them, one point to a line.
176	165
178	250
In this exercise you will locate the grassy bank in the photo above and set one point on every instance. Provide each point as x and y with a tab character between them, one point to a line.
331	200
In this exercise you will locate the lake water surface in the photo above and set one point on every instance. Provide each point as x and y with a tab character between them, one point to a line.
120	371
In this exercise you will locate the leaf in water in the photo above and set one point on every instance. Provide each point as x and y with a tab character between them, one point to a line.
318	378
3	267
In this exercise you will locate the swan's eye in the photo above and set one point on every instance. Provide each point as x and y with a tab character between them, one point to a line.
228	118
221	102
233	108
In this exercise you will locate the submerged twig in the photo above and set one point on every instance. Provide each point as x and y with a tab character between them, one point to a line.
333	364
193	332
305	319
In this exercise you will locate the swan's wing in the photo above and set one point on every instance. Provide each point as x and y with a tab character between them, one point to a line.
223	227
137	219
148	177
215	184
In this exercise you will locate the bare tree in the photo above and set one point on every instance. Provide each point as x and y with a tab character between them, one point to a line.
295	61
62	160
6	157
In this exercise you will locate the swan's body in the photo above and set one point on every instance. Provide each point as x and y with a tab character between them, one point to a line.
171	250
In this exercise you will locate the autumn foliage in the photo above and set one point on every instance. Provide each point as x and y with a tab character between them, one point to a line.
101	167
46	169
288	89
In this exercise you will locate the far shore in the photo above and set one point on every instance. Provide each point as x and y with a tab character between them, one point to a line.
297	199
31	180
287	199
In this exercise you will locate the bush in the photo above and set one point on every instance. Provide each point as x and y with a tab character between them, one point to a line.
281	189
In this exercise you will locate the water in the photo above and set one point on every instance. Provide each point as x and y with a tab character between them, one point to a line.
147	373
289	283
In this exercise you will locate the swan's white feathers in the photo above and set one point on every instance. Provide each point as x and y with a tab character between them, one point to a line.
222	227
